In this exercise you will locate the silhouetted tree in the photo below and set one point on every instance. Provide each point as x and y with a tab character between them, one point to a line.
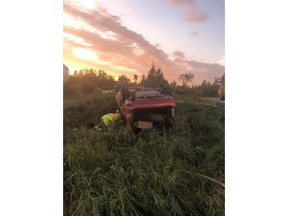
135	78
186	77
124	79
143	78
173	85
204	84
154	78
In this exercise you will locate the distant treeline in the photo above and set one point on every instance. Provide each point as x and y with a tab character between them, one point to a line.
90	80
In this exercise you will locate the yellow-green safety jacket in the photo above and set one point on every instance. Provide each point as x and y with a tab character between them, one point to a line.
110	118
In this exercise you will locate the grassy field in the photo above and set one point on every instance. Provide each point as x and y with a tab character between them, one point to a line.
209	101
118	173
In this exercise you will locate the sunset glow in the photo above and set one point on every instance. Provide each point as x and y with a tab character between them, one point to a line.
125	37
82	53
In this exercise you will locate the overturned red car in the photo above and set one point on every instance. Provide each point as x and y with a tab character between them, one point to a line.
145	108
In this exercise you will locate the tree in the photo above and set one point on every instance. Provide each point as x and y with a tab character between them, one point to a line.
173	85
154	78
124	79
102	74
186	78
204	84
135	78
143	78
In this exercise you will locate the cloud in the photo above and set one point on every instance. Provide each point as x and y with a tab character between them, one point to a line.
202	71
221	60
194	33
123	51
178	54
193	14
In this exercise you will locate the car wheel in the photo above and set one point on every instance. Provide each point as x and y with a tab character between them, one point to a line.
123	93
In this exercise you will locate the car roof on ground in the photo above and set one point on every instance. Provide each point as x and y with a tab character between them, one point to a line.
149	93
141	89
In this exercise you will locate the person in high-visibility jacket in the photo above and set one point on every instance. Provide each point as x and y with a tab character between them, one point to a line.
109	120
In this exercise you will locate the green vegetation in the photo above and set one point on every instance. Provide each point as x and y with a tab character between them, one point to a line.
118	173
91	81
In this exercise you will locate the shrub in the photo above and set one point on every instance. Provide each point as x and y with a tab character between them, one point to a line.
87	87
69	89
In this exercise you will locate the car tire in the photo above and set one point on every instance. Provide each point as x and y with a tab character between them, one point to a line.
123	92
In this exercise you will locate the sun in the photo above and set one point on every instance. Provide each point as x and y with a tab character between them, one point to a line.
85	54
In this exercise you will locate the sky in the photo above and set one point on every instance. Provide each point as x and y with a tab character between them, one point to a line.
125	37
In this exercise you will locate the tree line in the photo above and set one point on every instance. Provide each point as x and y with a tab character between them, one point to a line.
91	80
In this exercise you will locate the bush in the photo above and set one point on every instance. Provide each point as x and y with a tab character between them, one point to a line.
87	87
69	89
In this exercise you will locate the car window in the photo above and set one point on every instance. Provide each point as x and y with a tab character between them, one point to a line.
143	94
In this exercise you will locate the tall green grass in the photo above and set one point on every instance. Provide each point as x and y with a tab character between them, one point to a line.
87	109
118	173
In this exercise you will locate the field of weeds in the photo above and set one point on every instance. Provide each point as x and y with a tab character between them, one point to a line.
118	173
